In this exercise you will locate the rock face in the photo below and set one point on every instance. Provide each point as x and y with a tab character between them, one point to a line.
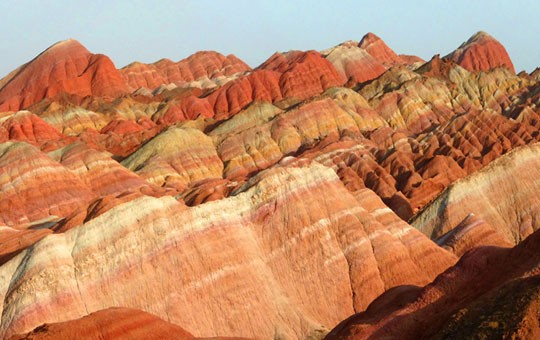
354	64
110	323
31	176
470	233
261	272
66	67
378	49
490	293
481	52
502	194
205	65
176	158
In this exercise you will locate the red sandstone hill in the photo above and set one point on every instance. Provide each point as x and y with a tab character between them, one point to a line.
378	49
491	293
481	53
65	67
272	203
207	64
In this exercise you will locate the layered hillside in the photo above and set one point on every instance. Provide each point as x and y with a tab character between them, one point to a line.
206	198
491	293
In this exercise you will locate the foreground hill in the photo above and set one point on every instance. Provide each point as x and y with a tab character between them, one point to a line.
208	198
491	293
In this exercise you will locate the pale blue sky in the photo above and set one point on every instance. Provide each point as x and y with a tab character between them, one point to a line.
147	31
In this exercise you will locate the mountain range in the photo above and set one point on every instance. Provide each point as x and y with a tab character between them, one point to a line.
349	193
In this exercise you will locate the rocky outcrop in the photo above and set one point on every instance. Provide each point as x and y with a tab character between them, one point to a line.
176	158
481	52
367	60
110	323
208	65
502	194
490	293
29	175
66	67
378	49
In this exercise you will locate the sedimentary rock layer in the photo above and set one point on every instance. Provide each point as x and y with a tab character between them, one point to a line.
200	66
287	237
502	194
271	202
481	52
111	323
66	67
490	293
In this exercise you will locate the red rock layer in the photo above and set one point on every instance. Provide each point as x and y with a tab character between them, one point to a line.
261	85
481	52
111	323
27	127
293	76
502	194
490	293
470	233
303	74
292	252
354	64
378	49
66	67
13	241
206	64
100	173
33	186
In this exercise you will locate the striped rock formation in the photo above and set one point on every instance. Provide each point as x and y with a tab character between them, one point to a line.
481	52
270	203
99	171
261	256
108	324
207	65
354	63
378	49
176	158
491	293
34	187
470	233
360	62
502	194
66	67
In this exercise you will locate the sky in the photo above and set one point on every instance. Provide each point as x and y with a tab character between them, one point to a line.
147	31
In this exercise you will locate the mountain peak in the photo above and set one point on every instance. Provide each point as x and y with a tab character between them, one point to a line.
481	52
65	67
480	35
379	50
68	46
368	39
